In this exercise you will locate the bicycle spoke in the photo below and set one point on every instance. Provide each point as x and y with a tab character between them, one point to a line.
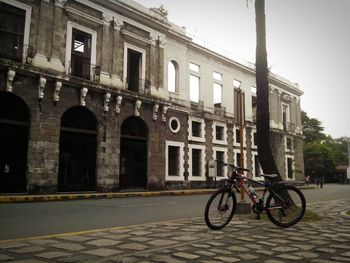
220	209
286	206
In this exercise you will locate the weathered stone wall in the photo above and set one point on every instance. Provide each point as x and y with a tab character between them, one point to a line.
48	36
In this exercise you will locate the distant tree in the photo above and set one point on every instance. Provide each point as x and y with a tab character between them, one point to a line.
266	158
322	153
312	129
340	148
319	159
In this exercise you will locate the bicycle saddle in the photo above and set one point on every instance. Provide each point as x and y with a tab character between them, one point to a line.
269	175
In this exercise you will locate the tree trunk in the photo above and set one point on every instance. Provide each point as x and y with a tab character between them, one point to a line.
266	159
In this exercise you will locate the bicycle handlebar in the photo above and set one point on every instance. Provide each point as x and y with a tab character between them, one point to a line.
233	166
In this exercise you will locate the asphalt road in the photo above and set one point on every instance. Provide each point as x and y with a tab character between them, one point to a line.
19	220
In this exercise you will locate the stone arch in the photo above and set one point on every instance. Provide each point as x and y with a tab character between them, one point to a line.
14	135
133	154
77	150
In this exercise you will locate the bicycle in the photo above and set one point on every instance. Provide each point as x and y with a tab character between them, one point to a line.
285	205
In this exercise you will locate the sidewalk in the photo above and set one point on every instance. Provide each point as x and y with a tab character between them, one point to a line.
243	240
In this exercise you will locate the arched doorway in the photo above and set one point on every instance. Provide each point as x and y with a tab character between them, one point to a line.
133	154
14	130
78	144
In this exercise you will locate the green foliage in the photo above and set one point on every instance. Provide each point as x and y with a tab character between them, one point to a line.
319	159
312	129
322	153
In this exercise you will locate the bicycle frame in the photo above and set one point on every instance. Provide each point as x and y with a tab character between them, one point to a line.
267	187
242	179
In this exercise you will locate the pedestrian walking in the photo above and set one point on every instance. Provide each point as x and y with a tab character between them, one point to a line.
307	180
321	181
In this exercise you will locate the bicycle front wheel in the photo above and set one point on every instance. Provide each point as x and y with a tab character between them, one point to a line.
285	206
220	209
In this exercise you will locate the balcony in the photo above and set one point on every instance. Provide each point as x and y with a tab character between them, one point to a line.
288	126
83	69
219	110
138	85
197	106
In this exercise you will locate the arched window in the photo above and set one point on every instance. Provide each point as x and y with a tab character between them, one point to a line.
173	76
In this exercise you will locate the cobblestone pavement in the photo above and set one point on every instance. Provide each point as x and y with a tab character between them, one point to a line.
243	240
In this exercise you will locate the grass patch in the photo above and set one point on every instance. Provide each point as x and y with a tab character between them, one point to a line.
348	213
309	216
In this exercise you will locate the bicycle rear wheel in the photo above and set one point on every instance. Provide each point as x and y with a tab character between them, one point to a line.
220	209
285	206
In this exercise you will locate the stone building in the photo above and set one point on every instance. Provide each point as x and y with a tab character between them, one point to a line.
103	96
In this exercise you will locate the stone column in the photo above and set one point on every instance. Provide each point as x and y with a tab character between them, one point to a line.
43	35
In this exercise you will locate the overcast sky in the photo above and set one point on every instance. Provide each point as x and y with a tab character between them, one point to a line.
308	42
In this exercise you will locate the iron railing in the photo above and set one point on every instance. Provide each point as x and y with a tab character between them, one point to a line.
138	85
85	70
219	109
288	126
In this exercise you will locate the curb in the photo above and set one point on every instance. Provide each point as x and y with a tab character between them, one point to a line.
27	198
81	196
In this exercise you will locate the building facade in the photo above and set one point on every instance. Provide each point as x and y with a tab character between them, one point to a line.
109	95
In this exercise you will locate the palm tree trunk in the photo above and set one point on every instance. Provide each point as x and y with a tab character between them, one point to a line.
266	158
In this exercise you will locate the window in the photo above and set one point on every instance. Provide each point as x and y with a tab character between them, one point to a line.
81	54
196	163
196	131
219	133
80	50
217	95
285	116
237	137
194	88
134	68
256	166
238	158
253	90
174	124
290	167
289	144
254	139
172	76
174	160
254	102
220	154
220	168
14	29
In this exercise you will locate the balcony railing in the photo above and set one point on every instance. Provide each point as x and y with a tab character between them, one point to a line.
288	126
85	70
219	109
138	85
197	106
